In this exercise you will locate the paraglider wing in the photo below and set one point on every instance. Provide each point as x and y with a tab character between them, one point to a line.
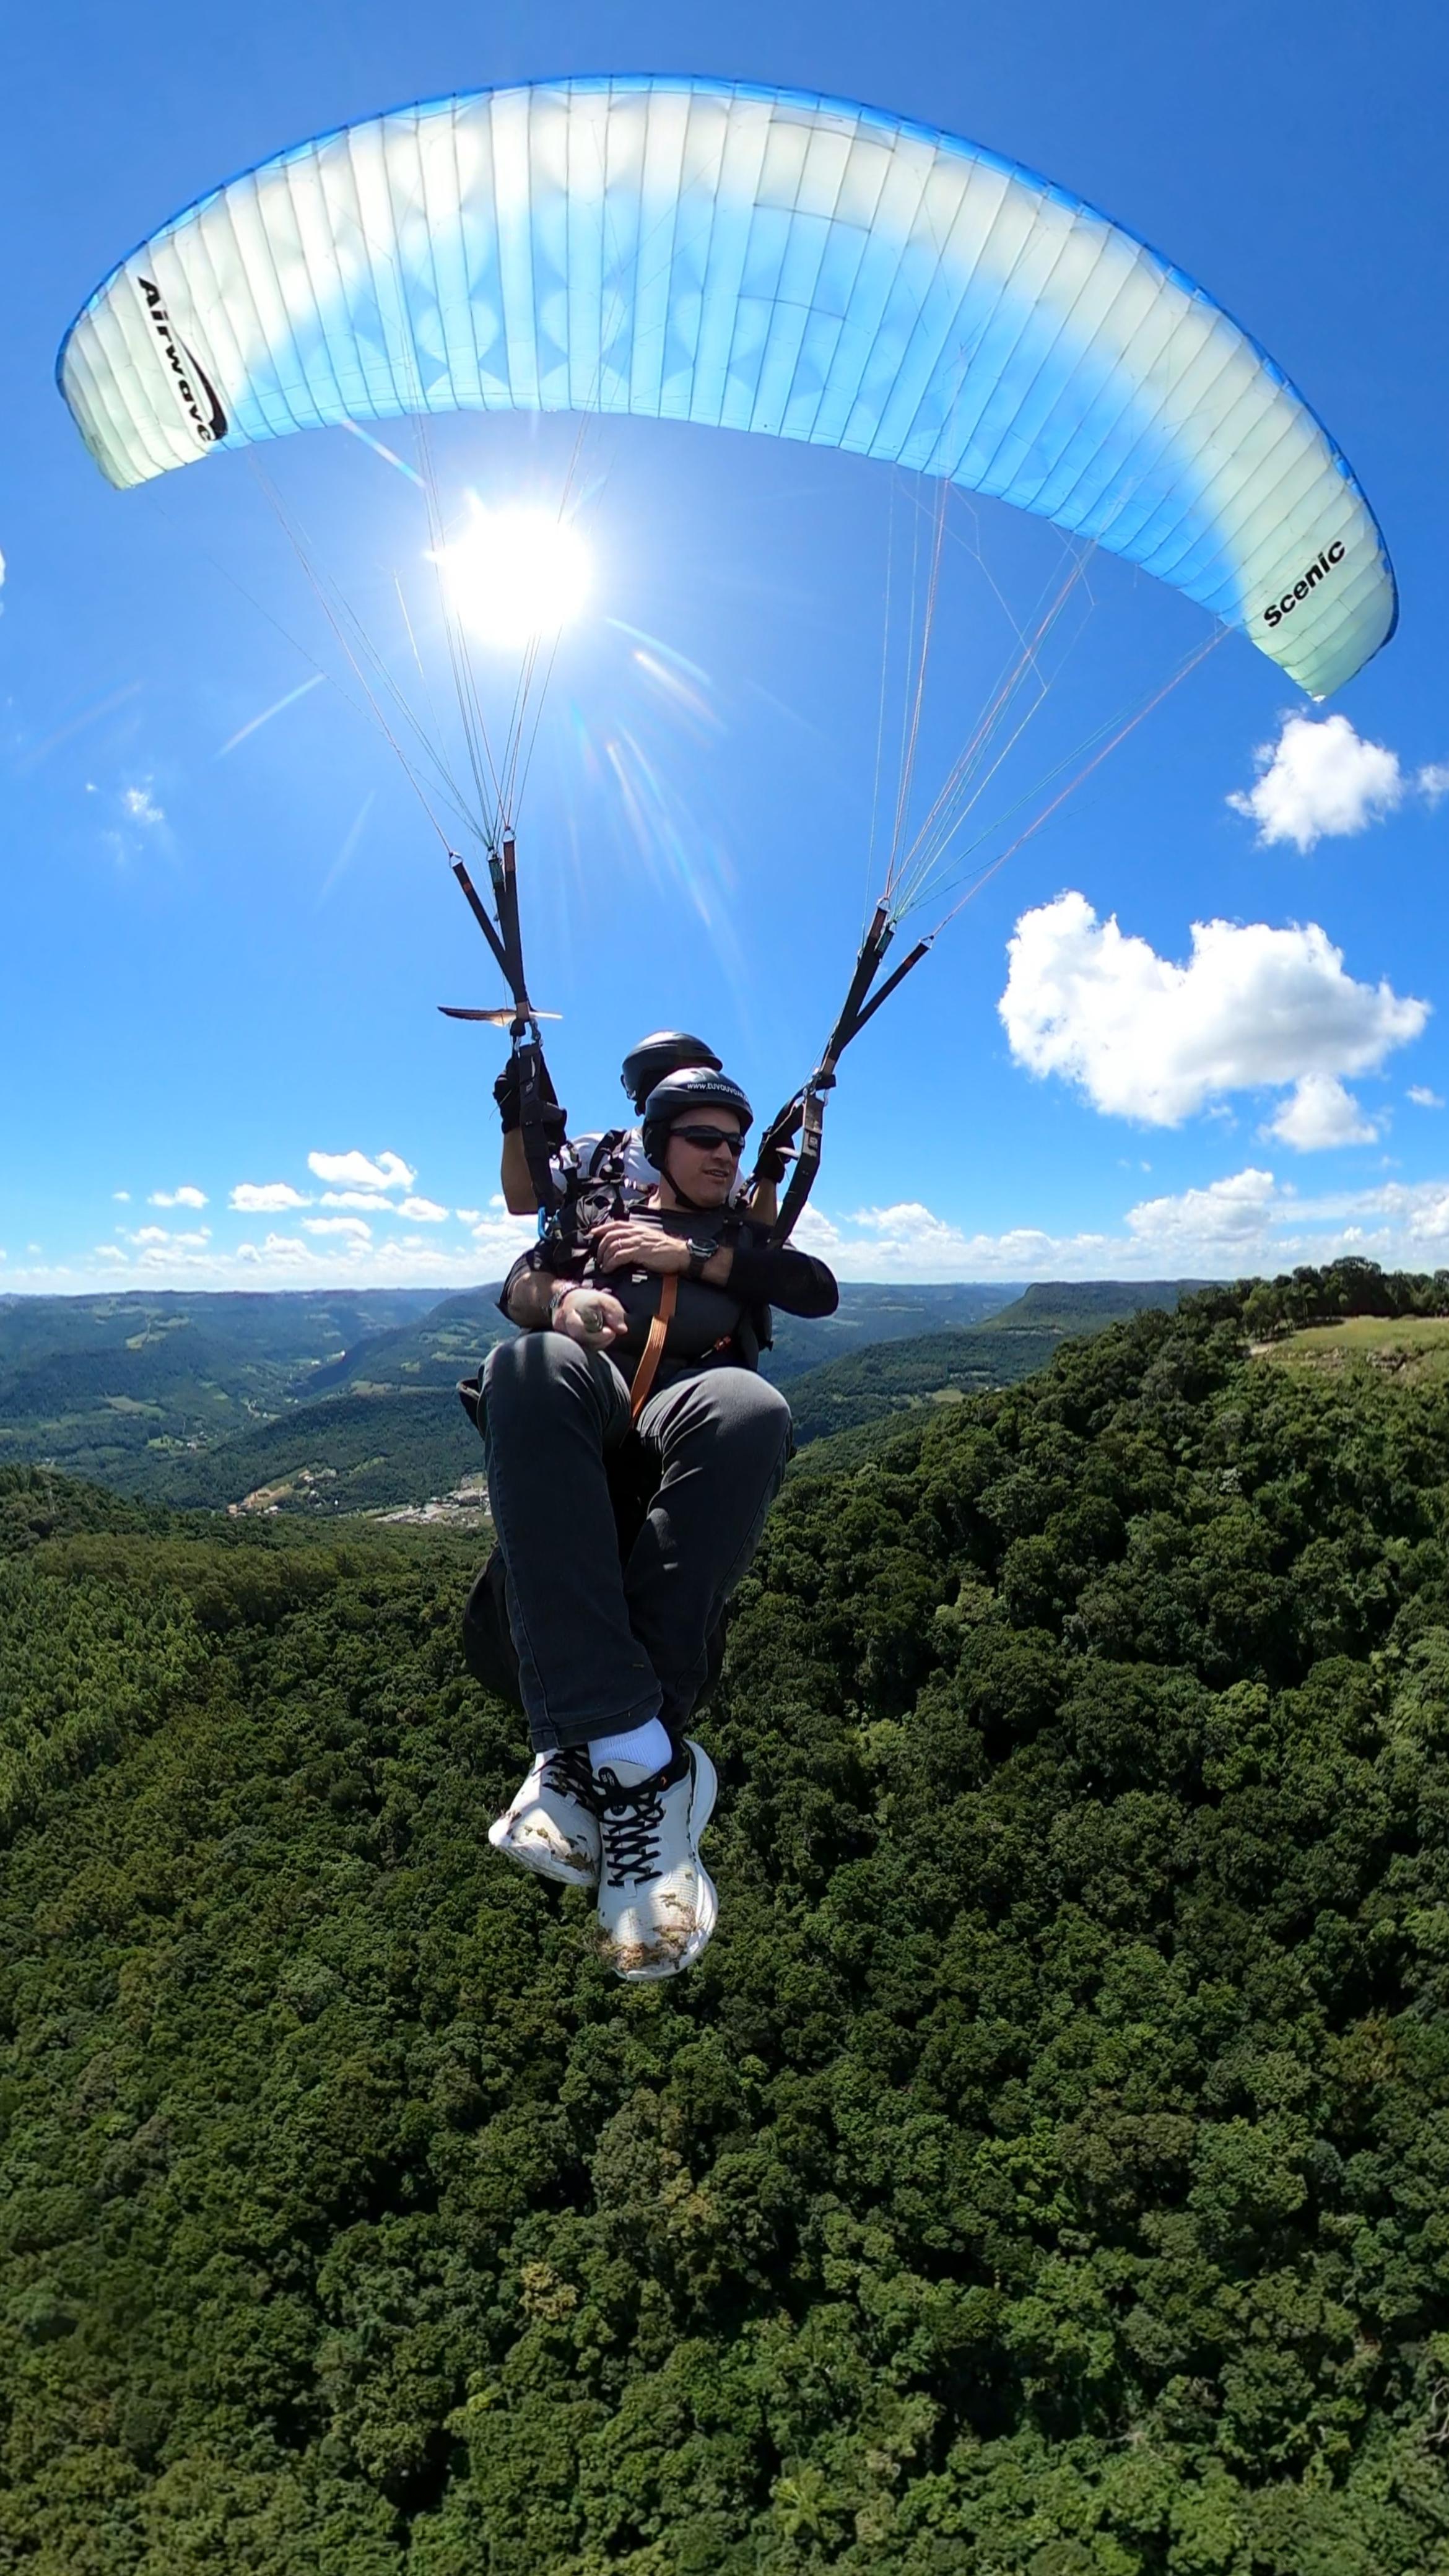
754	259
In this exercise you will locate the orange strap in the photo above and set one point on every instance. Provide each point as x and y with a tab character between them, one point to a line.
653	1351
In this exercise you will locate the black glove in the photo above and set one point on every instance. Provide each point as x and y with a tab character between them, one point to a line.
773	1160
508	1094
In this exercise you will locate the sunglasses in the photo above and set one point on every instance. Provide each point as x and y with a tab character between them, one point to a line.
707	1138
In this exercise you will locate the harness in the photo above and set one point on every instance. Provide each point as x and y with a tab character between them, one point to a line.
591	1193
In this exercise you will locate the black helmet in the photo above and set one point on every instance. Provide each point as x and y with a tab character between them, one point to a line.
693	1087
667	1051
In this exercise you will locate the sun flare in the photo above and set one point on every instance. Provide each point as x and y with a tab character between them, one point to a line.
516	574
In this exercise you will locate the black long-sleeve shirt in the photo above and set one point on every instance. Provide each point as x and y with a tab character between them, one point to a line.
710	1326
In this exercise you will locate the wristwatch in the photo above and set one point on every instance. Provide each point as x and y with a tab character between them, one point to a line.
699	1254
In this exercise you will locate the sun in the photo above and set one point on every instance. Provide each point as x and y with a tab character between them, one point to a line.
516	574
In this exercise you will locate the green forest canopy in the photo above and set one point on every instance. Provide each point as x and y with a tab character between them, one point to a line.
1045	2169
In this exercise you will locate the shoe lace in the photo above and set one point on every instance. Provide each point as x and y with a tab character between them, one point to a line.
629	1824
570	1770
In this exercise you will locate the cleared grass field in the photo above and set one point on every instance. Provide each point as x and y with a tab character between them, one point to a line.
1415	1346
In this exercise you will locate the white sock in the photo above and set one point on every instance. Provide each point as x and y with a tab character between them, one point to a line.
648	1746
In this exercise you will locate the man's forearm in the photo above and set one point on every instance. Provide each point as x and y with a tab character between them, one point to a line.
530	1299
780	1276
519	1196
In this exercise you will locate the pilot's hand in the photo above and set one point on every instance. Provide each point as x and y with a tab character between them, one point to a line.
590	1317
625	1244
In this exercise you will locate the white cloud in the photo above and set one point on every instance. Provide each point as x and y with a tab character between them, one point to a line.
423	1211
157	1242
1422	1097
500	1239
140	806
1146	1038
469	1216
909	1242
266	1198
1251	1224
1247	1223
1320	778
355	1228
1318	1113
124	1197
1226	1218
1244	1225
1223	1230
367	1199
287	1250
1417	1210
386	1172
1432	781
187	1196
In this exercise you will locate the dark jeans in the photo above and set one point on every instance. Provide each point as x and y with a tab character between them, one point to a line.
602	1647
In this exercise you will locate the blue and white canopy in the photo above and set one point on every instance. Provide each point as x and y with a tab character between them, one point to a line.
752	259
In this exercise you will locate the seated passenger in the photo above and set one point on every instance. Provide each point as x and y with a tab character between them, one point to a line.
657	1321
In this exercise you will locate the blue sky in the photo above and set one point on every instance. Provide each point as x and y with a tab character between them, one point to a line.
225	940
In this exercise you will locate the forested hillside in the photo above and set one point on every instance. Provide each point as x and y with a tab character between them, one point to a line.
436	1349
374	1444
1044	2171
847	1394
346	1453
869	1314
106	1385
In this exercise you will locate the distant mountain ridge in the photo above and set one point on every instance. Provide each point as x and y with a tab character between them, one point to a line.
871	1385
328	1403
91	1382
117	1386
457	1333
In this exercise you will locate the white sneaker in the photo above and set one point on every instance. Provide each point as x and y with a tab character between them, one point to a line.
552	1825
657	1902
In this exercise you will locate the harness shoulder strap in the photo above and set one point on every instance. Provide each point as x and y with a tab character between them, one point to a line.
536	1093
607	1151
653	1352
